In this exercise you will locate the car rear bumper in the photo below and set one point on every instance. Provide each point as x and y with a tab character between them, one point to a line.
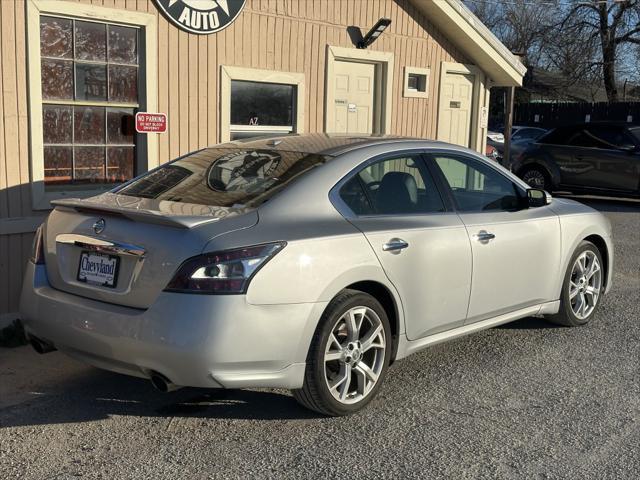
193	340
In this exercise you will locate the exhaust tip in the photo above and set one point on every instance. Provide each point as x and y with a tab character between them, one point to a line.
40	346
162	383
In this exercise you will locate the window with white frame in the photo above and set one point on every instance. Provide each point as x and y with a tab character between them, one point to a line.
260	108
89	78
416	82
257	102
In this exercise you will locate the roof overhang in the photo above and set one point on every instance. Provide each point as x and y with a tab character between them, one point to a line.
477	42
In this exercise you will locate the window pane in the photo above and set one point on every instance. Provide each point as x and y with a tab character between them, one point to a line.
91	41
123	84
477	187
56	124
353	195
91	82
611	137
57	165
257	103
558	136
89	164
56	37
120	126
57	79
89	125
123	45
119	164
401	186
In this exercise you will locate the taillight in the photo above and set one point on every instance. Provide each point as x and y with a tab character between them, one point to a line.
37	247
225	272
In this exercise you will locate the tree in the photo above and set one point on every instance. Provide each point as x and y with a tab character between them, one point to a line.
616	24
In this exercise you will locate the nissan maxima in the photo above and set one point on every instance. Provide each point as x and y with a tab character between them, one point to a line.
307	262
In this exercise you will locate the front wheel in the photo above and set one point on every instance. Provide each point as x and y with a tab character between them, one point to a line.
348	356
582	287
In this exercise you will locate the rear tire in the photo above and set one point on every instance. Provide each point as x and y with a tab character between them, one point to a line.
348	357
536	177
582	287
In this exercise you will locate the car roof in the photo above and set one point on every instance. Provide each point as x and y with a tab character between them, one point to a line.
519	127
323	143
599	124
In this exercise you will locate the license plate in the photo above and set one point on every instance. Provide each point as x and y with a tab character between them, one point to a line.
98	269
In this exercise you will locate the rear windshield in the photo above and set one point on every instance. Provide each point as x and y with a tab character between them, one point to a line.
636	133
223	177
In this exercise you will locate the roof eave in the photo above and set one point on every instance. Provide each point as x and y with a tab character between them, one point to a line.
469	34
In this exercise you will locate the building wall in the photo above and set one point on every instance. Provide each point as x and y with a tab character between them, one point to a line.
282	35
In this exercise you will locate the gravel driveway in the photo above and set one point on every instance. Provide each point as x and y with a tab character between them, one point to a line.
526	400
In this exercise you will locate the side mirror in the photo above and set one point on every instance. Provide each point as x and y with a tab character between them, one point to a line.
538	198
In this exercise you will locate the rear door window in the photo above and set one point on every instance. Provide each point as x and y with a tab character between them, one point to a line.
394	186
558	136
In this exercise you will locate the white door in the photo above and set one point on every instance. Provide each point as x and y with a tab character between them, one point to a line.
354	97
456	100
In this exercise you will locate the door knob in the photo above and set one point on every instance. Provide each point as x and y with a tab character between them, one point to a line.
395	244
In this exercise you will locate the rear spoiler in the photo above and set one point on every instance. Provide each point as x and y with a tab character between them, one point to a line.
136	214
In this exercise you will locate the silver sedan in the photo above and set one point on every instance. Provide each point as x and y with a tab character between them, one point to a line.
306	262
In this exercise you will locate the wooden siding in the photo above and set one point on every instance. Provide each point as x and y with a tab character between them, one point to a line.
284	35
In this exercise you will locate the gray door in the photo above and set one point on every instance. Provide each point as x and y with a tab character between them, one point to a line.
423	248
514	249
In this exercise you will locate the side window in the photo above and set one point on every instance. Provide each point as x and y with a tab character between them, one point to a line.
611	137
477	187
583	138
399	186
558	136
527	133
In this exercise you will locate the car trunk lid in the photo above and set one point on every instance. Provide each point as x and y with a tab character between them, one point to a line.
124	250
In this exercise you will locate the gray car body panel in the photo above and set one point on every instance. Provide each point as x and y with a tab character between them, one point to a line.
261	339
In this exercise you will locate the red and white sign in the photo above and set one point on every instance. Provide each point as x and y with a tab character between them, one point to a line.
151	122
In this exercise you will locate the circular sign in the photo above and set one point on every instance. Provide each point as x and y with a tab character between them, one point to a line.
201	16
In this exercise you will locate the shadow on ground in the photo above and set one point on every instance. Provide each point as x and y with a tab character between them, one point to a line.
78	393
91	394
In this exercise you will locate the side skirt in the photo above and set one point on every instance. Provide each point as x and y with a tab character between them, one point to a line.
407	347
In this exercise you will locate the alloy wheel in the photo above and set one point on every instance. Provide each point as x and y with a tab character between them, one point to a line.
354	355
534	178
584	284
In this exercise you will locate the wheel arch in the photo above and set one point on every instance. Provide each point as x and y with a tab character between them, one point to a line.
386	298
541	162
601	245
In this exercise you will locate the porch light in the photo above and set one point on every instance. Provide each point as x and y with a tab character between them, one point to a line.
374	33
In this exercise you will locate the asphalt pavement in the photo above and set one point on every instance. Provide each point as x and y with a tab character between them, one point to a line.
525	400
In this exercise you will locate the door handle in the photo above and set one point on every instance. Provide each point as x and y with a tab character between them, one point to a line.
484	236
394	245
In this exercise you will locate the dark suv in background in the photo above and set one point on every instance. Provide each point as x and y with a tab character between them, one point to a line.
589	158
